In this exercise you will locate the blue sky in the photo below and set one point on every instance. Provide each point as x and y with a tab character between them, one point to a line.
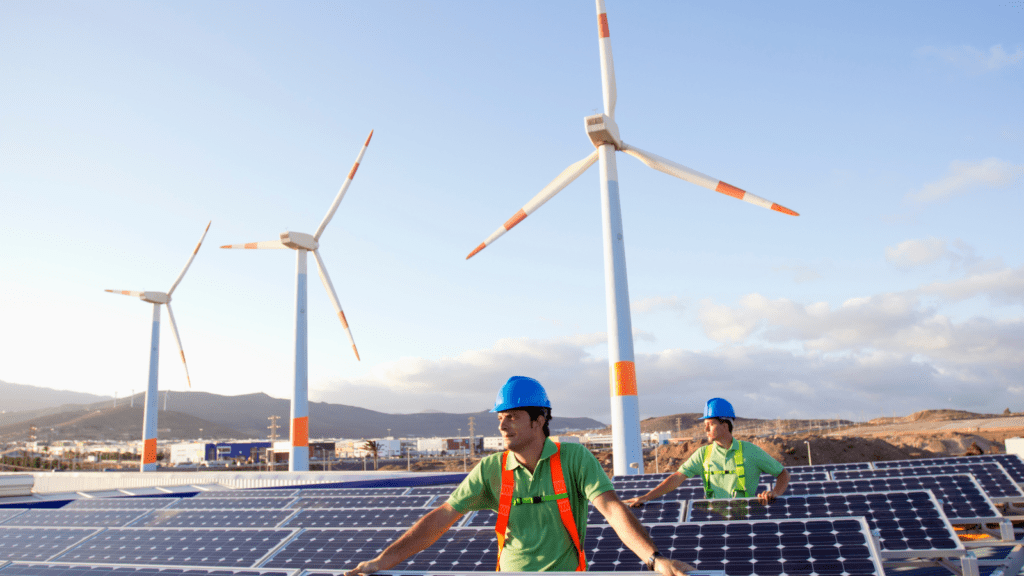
896	130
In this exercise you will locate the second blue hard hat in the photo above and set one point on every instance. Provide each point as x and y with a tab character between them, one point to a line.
718	408
519	392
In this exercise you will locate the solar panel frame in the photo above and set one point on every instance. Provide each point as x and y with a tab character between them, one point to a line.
63	518
267	503
249	493
889	512
831	467
76	569
217	518
992	477
29	541
125	503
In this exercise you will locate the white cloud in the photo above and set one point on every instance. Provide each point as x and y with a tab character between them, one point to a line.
964	177
974	60
657	304
915	252
1002	287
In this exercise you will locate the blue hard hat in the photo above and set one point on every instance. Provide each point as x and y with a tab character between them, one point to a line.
718	408
519	392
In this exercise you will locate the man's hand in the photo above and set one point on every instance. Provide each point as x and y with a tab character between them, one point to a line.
367	567
767	497
669	567
635	502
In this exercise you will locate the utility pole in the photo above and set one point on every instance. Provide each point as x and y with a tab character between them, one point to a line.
679	425
273	438
472	438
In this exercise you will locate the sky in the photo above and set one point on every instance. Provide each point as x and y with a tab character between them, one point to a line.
896	130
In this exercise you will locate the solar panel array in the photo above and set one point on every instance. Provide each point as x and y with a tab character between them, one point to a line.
992	477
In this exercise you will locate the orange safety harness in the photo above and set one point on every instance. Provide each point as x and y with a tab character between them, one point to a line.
561	496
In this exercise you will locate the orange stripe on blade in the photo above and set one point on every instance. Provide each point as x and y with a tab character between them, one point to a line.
352	173
149	451
357	353
603	26
300	431
519	217
341	316
730	190
475	250
623	379
784	210
368	138
250	245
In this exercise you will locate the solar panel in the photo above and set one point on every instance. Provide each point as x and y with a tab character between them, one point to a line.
261	503
6	513
364	501
765	548
830	467
203	547
445	490
655	511
992	477
334	549
121	504
52	569
1012	463
68	518
910	523
213	519
355	518
371	491
960	495
681	493
248	493
21	543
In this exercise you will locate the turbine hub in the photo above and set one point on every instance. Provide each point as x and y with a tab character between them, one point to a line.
299	241
155	297
601	130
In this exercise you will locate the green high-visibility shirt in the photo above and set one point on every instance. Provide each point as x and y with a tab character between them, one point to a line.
755	461
536	539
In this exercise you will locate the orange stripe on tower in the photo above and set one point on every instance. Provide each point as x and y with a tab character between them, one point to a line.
300	431
603	25
730	190
352	173
623	379
519	217
149	451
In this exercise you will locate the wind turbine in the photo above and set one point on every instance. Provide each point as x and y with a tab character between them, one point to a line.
298	460
149	417
604	134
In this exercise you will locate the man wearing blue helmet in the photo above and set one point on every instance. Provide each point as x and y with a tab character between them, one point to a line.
540	490
730	468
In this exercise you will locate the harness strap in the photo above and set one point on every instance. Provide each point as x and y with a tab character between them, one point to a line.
741	484
561	496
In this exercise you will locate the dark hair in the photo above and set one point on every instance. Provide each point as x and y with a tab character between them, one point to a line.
728	422
537	411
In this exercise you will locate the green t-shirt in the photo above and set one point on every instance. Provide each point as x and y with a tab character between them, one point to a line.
535	539
755	461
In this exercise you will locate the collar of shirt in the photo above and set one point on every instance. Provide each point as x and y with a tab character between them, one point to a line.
549	449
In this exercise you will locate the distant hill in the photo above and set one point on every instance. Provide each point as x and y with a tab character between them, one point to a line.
21	397
246	416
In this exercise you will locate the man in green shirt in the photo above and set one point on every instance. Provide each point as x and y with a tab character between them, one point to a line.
730	468
541	532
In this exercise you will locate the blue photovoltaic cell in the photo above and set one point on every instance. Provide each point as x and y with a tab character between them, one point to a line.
241	548
334	549
681	493
249	493
356	518
765	548
656	511
992	477
959	494
1012	463
375	491
121	504
38	544
261	503
830	467
363	501
67	518
78	570
213	518
907	521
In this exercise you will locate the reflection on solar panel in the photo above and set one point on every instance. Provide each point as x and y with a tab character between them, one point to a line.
50	569
363	502
1012	463
830	467
445	490
349	518
656	511
333	549
992	477
121	504
681	493
262	503
61	517
206	547
251	493
6	513
38	543
908	521
378	491
765	548
213	518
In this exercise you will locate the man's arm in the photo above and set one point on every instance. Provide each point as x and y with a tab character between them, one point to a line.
422	534
667	485
634	535
781	483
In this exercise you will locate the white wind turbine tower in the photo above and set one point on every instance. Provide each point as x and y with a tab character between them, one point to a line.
298	460
604	134
152	400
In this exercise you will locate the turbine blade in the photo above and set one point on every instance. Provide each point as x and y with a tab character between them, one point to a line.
334	298
190	259
554	187
344	188
125	292
174	328
679	171
607	66
265	245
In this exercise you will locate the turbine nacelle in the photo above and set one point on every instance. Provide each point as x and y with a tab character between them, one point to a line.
601	130
155	297
299	241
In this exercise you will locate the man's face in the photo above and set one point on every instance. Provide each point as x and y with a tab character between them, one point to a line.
517	429
716	430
